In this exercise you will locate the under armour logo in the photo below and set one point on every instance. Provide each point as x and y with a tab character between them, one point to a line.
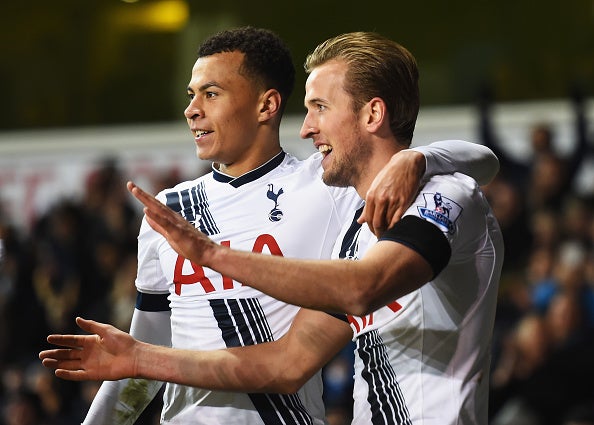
275	214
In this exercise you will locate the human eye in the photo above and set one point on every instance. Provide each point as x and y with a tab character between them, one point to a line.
210	94
320	107
191	95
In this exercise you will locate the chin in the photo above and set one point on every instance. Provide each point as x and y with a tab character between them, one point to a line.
333	180
203	155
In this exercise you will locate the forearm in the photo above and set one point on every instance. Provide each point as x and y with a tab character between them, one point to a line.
281	366
215	370
326	285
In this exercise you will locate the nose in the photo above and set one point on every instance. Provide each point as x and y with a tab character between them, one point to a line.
307	129
193	110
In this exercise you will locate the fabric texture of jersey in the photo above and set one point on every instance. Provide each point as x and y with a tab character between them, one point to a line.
281	208
424	358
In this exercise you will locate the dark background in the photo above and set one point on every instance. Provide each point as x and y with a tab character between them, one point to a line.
95	62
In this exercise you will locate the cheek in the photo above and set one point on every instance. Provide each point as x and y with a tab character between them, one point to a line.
337	131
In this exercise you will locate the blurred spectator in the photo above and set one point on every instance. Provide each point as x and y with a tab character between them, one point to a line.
546	176
569	276
540	182
23	408
123	294
59	258
546	373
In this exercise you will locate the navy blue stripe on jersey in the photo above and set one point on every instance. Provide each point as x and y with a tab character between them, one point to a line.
384	395
251	175
243	322
193	205
172	201
207	222
423	237
152	302
187	204
348	247
280	409
261	330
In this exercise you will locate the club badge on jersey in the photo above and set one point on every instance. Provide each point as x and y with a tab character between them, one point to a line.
275	213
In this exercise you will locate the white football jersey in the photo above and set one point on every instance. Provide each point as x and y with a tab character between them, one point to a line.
281	208
424	358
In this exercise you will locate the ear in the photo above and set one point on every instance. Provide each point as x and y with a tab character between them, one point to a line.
270	103
376	114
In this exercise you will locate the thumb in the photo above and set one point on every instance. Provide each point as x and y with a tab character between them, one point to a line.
90	326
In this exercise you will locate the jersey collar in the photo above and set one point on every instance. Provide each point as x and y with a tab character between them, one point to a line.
250	176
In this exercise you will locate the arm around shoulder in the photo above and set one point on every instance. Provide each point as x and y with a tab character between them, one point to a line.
450	156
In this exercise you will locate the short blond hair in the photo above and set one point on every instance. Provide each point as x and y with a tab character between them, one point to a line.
377	67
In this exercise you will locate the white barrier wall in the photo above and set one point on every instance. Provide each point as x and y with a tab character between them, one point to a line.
38	167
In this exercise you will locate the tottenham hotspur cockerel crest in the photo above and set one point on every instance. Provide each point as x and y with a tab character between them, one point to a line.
275	213
441	211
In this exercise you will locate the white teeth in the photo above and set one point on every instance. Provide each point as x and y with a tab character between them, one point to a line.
201	133
324	148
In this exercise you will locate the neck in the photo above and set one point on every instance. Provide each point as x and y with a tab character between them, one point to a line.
379	159
250	161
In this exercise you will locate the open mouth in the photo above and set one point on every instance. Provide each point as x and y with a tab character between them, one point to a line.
201	133
324	149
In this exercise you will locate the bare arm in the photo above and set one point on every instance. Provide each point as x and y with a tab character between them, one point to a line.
328	285
281	366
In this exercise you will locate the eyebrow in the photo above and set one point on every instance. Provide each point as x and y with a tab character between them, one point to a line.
204	86
314	101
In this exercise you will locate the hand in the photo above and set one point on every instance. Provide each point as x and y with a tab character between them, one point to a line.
393	190
108	354
183	237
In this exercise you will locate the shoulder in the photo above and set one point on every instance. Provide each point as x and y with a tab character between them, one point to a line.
180	187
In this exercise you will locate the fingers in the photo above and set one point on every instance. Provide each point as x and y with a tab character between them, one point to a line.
366	214
148	200
72	375
396	216
51	363
59	354
375	214
66	360
158	215
70	341
91	327
157	221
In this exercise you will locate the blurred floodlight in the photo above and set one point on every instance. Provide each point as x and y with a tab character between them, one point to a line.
163	15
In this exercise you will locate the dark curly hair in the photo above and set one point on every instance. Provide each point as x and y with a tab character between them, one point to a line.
267	60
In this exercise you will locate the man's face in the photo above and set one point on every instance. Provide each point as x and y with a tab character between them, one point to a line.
223	109
334	127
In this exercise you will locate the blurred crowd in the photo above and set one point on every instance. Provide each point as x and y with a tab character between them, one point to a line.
79	259
543	352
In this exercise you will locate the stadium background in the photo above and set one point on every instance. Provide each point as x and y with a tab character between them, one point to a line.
93	93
